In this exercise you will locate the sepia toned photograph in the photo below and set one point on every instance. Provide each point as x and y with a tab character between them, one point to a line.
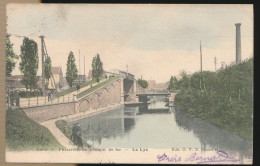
129	83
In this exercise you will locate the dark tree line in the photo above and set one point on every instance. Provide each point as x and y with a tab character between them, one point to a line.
224	98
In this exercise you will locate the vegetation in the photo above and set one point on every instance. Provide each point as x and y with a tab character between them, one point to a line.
64	128
98	86
72	71
22	133
28	94
29	62
97	68
74	88
67	131
47	68
142	83
173	84
224	99
10	56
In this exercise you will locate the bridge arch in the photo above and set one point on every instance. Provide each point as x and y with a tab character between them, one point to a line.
117	85
84	105
95	101
111	91
104	98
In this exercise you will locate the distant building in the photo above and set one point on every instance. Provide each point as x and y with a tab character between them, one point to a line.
120	73
105	74
152	85
56	82
82	78
16	82
163	85
89	77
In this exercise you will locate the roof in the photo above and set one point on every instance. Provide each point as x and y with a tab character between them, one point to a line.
56	70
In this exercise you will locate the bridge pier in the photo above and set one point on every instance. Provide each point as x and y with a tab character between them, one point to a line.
135	91
122	94
143	98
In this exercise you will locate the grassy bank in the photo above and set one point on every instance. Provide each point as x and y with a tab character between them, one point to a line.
67	131
100	85
22	133
74	88
224	99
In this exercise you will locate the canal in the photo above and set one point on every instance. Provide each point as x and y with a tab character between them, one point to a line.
155	125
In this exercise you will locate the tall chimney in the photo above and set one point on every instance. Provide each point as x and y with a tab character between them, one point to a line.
238	43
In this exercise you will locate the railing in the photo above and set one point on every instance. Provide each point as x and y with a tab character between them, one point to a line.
157	91
40	101
55	99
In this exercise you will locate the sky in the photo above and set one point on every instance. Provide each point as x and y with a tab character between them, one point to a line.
155	41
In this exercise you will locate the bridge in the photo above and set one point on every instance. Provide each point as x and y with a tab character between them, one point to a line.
119	88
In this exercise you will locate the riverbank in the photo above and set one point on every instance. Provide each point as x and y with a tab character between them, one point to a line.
23	134
245	133
223	98
62	139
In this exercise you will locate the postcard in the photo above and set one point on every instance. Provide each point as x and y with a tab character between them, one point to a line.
129	83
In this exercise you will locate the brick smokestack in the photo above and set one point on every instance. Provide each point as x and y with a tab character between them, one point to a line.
238	43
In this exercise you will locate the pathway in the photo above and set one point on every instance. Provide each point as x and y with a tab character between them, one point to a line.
25	102
61	138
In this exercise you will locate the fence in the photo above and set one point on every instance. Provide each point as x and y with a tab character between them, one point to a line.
39	101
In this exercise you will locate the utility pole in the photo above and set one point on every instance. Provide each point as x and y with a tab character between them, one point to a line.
200	58
127	70
79	65
215	61
238	43
43	67
222	64
79	61
84	70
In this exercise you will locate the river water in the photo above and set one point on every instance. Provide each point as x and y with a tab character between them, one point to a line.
155	125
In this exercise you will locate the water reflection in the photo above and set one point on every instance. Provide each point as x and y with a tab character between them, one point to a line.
156	105
213	137
105	125
154	125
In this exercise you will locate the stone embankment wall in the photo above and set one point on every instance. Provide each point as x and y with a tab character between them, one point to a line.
106	96
47	112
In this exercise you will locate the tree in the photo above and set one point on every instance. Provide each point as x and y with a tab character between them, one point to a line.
97	67
47	67
172	85
142	83
184	82
72	71
29	62
10	56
